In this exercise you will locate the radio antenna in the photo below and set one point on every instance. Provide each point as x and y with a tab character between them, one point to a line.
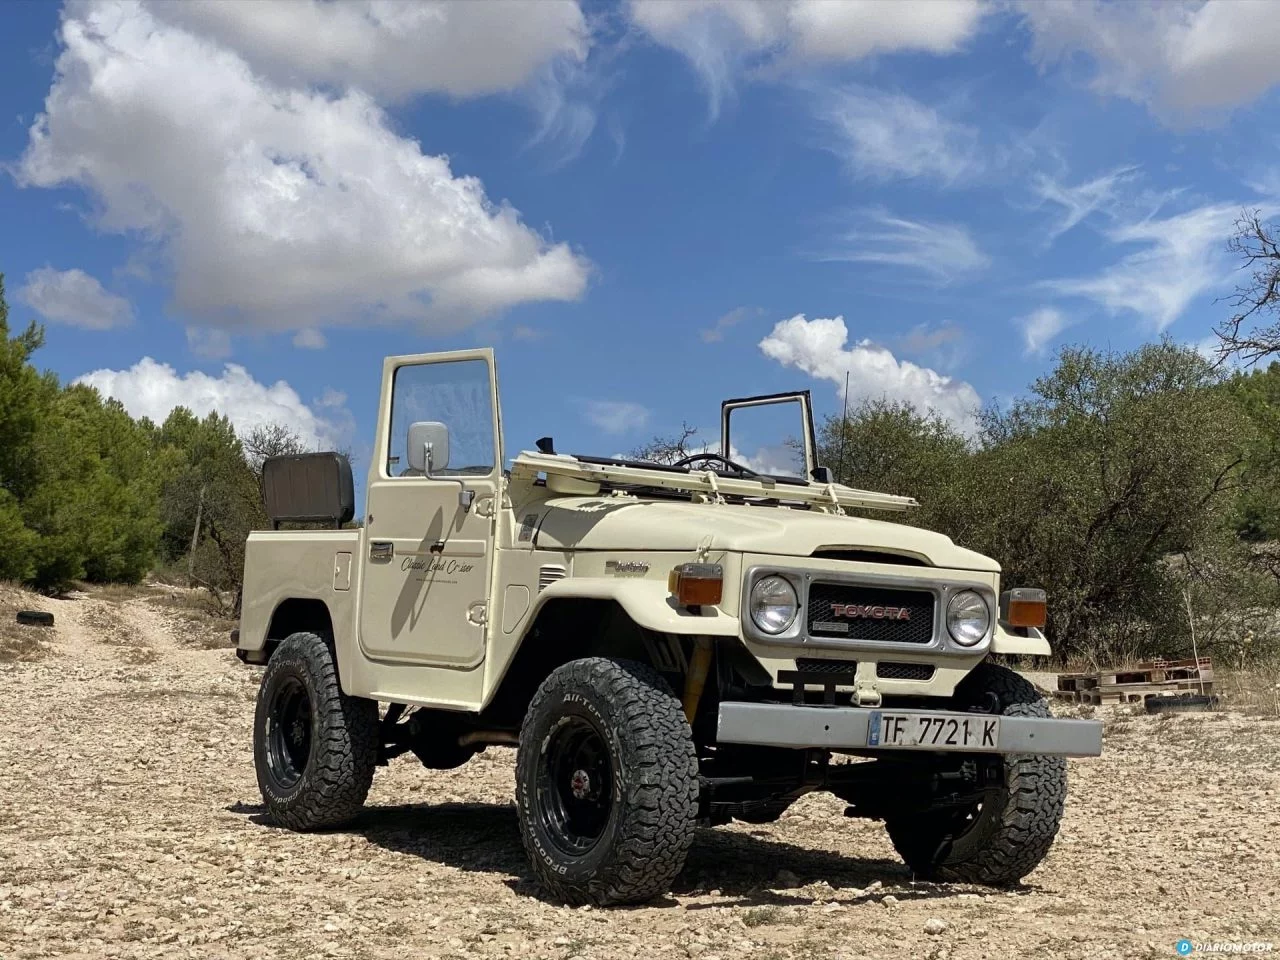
844	420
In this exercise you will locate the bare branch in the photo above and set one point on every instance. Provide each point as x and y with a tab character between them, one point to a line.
1253	331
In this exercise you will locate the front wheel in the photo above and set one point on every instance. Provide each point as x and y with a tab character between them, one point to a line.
314	747
606	783
1008	829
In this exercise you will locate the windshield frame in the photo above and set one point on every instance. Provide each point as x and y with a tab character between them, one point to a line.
808	434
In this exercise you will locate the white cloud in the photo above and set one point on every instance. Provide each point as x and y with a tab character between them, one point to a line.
723	38
209	342
275	205
73	297
616	416
923	338
890	136
715	333
308	338
1079	201
820	348
152	389
943	250
390	48
852	29
1185	60
1182	257
1040	327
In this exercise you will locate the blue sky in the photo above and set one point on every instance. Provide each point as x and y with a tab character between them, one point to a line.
645	208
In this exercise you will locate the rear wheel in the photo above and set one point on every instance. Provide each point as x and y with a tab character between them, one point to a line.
1010	826
314	747
607	783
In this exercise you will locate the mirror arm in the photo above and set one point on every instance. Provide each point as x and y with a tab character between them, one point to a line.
465	497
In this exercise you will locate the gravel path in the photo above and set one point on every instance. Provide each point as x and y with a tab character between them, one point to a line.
130	826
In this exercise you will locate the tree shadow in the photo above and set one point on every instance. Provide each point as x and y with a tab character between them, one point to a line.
743	867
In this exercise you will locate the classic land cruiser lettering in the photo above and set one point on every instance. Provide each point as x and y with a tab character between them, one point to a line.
429	565
708	676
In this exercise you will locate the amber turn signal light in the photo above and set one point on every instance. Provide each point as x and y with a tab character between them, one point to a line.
696	584
1023	607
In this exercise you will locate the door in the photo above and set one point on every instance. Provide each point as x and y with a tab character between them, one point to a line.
429	555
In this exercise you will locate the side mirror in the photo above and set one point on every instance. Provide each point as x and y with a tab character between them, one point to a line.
428	446
429	451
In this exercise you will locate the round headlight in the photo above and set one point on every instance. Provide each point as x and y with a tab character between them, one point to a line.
773	605
968	618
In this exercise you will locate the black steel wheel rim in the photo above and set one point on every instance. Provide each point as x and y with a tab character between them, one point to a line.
289	732
575	786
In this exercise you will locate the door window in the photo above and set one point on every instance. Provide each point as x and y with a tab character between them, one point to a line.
456	393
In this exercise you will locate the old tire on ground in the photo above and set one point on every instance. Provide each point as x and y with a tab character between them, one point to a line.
35	618
314	747
606	783
1007	835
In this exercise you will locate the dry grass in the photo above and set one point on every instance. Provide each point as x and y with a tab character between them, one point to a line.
20	643
112	627
201	620
1254	691
122	592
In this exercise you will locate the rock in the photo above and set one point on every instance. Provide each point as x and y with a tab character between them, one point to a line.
786	880
889	900
933	926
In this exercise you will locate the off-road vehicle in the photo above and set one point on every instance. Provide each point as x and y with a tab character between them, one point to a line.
667	646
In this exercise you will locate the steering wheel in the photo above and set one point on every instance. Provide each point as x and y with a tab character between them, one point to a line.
738	468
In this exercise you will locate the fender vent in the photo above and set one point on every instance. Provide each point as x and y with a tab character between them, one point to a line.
549	574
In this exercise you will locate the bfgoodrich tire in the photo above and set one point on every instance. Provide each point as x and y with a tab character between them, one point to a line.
314	747
1008	832
606	783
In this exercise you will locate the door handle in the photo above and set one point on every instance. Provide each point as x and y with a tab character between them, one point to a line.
381	550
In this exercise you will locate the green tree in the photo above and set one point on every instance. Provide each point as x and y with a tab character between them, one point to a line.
1114	463
890	446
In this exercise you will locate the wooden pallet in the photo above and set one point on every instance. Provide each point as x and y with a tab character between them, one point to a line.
1137	692
1136	683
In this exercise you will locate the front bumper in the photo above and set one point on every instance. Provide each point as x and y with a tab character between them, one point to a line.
848	728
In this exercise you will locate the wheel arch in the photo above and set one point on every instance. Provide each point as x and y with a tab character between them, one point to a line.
567	627
297	615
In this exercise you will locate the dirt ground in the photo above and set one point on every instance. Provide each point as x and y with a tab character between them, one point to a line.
130	826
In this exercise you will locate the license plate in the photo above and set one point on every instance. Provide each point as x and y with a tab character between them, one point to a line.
923	731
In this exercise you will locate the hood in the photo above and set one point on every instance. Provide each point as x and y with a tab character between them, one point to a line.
599	523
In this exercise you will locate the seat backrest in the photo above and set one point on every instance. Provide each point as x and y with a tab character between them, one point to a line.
308	488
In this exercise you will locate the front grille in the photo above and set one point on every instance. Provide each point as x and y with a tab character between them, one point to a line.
812	666
904	671
824	622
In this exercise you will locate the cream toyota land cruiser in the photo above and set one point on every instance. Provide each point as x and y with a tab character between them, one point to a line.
666	645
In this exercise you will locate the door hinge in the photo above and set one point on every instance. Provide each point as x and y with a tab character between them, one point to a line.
478	613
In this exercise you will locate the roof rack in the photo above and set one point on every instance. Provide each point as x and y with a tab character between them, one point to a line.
528	465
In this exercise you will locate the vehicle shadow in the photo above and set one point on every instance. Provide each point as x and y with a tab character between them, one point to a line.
743	867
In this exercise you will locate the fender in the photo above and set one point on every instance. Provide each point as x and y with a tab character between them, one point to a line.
646	602
1033	644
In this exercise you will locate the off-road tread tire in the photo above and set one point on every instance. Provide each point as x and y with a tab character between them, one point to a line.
1018	837
344	741
654	757
34	618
